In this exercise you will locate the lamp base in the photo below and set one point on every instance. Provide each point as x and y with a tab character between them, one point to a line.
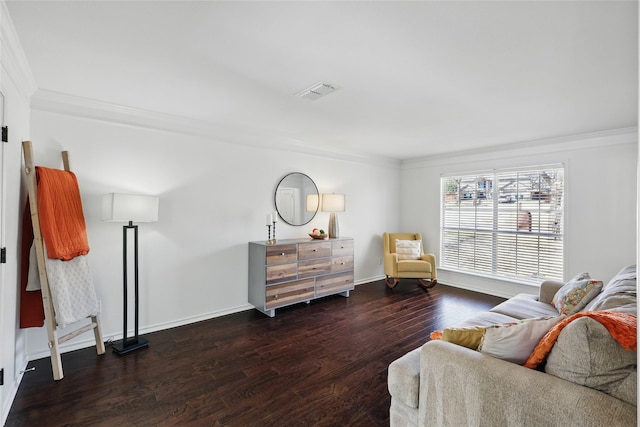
132	344
334	231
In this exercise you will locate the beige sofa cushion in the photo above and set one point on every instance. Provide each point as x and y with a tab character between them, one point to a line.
486	318
525	306
586	354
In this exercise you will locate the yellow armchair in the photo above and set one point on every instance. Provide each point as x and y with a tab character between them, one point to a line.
408	261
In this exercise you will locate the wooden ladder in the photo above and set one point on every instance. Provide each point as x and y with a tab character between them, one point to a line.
47	301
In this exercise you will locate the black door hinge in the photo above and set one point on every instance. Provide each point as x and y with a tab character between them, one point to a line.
3	256
2	376
5	134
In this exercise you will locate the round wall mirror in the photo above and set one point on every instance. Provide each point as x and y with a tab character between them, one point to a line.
297	199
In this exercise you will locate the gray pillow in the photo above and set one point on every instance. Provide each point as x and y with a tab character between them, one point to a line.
619	294
586	354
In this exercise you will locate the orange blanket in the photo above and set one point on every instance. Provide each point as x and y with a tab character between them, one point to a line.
60	212
621	326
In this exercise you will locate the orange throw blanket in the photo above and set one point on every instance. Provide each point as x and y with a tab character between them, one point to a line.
61	217
621	326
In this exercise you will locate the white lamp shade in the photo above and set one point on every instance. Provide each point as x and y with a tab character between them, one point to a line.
333	202
312	202
129	207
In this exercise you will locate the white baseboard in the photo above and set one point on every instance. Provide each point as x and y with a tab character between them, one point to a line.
90	342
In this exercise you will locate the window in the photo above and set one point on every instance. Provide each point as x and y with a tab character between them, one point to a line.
504	223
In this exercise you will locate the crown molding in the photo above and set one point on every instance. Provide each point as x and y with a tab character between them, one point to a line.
60	103
13	57
581	141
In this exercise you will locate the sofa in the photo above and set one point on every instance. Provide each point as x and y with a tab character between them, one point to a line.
587	378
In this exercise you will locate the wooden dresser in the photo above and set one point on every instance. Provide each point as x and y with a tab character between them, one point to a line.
298	270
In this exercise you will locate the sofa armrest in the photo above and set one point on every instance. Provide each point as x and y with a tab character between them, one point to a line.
548	289
459	386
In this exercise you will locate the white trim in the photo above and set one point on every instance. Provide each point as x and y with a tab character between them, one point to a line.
506	151
90	342
65	104
14	59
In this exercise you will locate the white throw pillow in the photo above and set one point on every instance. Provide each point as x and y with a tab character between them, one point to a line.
408	249
514	342
576	294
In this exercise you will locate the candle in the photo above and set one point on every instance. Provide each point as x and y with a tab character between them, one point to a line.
274	216
269	218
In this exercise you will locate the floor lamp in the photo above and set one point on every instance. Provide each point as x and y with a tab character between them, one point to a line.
129	208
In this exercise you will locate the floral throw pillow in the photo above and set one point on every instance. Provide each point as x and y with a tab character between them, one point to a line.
576	293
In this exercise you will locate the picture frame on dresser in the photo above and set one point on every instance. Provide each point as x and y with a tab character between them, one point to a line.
292	271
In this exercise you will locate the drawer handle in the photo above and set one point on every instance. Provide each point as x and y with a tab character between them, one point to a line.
342	263
276	296
315	250
282	254
341	247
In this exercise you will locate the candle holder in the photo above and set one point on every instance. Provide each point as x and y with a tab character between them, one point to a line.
269	242
274	233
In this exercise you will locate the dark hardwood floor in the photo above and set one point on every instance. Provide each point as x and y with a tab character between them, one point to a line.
322	364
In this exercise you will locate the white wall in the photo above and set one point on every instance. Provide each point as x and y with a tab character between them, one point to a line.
213	200
600	191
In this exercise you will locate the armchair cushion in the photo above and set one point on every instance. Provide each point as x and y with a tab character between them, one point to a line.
408	249
417	265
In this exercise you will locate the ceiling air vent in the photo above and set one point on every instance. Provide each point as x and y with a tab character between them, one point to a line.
316	91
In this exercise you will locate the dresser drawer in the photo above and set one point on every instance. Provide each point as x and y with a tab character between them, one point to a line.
281	254
313	250
334	283
314	267
289	293
341	263
282	273
342	247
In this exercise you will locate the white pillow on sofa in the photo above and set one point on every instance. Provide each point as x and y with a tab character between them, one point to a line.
408	249
576	293
514	342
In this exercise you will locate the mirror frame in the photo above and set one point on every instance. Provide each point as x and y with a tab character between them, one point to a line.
307	215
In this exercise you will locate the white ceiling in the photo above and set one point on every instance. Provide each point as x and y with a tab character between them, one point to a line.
415	78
